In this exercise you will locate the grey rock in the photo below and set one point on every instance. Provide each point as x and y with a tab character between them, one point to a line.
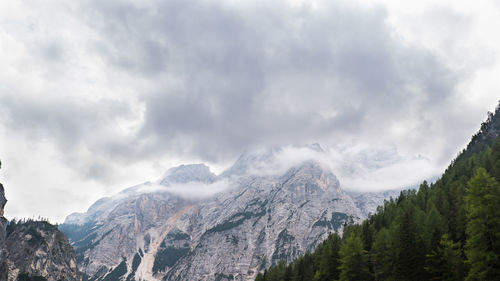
3	236
37	248
251	159
232	235
189	173
34	249
367	202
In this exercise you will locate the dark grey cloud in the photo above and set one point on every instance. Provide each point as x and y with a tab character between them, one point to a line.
114	90
69	121
267	74
225	78
71	124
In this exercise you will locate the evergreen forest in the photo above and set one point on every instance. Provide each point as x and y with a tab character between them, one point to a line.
446	230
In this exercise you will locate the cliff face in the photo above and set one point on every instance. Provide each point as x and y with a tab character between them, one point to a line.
38	249
257	221
3	235
34	250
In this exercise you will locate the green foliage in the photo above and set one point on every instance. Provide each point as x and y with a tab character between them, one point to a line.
32	228
354	260
337	220
303	268
83	237
327	258
178	235
136	261
27	277
446	262
383	255
483	229
410	255
118	272
222	276
167	257
280	252
76	232
236	220
447	230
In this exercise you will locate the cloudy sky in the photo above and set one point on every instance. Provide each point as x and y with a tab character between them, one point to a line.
96	96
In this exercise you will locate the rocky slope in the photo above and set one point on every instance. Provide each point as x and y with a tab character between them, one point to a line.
174	230
38	249
486	135
34	250
3	236
367	202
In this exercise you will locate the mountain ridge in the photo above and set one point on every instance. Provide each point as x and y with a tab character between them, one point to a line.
258	220
34	250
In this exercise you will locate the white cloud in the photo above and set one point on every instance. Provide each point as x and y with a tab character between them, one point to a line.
189	190
98	95
358	167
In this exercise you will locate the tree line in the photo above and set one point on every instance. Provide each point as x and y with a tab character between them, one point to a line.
447	230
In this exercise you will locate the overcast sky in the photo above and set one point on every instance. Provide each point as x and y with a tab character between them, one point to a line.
96	96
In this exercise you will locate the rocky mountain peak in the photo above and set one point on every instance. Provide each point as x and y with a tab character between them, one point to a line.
254	159
189	173
311	171
276	204
271	159
310	178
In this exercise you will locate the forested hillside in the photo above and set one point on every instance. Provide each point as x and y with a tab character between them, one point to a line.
447	230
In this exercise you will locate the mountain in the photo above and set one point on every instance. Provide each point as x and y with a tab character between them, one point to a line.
367	202
3	236
178	228
485	137
37	250
448	230
189	173
34	251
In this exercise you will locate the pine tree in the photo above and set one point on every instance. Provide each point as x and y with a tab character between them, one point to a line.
382	255
447	230
354	260
328	261
494	159
445	262
277	273
483	227
260	277
410	260
434	228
